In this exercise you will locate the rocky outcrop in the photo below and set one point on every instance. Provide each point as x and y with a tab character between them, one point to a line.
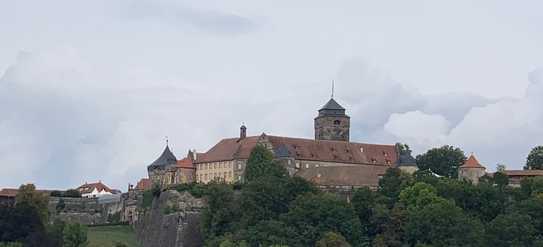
172	221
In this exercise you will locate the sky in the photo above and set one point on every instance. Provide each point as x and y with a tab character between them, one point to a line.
89	90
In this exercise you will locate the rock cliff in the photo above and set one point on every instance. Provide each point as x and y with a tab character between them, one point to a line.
172	221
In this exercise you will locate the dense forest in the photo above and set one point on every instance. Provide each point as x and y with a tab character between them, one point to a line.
423	209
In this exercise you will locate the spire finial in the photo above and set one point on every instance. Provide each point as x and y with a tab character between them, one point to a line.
167	141
332	96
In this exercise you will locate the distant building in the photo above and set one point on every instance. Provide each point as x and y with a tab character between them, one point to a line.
473	170
92	190
167	170
330	160
144	184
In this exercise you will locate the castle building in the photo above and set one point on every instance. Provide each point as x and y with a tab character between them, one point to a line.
92	190
471	170
330	160
332	123
167	170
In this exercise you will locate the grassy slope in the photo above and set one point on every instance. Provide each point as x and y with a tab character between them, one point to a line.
107	236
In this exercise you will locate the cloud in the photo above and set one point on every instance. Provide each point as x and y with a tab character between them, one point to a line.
494	131
103	82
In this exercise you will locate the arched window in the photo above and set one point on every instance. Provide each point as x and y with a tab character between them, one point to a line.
337	122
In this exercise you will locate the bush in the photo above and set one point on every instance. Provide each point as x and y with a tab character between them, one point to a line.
75	235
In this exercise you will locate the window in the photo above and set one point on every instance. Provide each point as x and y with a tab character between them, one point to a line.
239	166
361	149
337	122
297	164
289	161
306	165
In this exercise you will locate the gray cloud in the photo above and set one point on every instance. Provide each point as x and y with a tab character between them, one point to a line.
103	82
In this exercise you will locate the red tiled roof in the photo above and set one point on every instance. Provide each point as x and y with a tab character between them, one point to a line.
356	175
305	149
144	184
185	163
472	162
527	173
8	192
88	188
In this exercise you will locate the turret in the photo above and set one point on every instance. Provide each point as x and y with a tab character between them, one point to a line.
471	170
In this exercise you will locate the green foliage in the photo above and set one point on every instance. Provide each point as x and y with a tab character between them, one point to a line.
272	209
531	186
441	223
195	189
261	164
222	212
393	182
501	179
29	197
443	161
147	199
72	193
511	230
332	239
419	196
312	215
156	190
534	161
75	235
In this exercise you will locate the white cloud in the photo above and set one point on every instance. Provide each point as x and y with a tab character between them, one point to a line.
102	82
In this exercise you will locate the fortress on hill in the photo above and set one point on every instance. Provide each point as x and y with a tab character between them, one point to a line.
330	160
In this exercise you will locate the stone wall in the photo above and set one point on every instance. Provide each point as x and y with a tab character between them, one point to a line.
87	211
172	221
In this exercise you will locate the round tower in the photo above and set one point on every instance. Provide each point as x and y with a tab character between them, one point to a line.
332	123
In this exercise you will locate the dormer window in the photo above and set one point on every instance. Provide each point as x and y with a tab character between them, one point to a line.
337	122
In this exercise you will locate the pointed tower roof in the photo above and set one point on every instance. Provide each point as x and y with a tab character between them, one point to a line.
332	108
332	105
472	162
166	158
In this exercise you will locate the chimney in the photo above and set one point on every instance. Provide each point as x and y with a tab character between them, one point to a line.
242	132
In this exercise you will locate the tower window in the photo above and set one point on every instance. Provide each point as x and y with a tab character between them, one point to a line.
337	122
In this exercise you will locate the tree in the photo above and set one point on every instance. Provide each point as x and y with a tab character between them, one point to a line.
534	161
332	239
72	193
403	148
27	196
312	215
261	163
443	161
75	235
392	183
511	230
501	179
363	203
441	223
221	213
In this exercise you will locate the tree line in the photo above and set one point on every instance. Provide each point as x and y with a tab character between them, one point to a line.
431	207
